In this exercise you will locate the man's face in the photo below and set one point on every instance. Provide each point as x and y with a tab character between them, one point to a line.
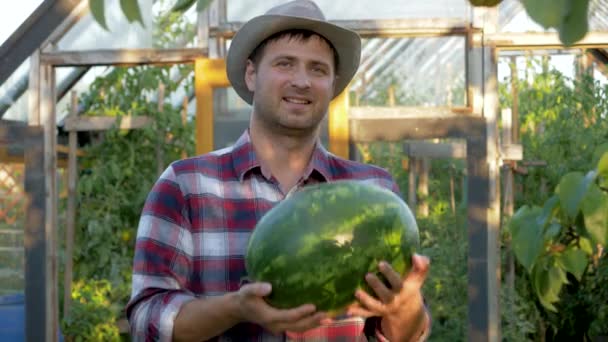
292	84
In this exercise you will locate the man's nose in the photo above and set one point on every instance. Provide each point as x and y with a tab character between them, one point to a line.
300	79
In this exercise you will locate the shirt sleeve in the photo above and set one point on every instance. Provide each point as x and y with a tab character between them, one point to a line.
162	262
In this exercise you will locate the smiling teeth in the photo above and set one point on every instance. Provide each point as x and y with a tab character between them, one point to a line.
297	101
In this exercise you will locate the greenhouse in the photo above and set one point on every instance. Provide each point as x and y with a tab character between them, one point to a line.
492	124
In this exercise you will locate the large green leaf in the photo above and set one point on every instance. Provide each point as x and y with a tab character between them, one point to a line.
548	282
574	261
595	212
571	189
98	11
575	25
201	5
131	10
548	13
182	5
527	235
550	207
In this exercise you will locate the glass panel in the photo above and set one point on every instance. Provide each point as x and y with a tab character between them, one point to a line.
357	10
418	72
11	17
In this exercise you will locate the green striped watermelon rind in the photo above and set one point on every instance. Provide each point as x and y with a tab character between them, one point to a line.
317	245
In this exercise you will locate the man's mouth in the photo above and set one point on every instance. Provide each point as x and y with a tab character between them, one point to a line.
296	101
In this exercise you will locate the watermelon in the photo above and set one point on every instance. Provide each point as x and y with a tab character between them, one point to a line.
317	245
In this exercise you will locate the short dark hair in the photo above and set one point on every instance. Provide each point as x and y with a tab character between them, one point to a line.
299	34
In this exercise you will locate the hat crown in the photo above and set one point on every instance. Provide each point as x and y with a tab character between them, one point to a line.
298	8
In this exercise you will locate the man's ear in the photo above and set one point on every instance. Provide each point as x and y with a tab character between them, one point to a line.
250	75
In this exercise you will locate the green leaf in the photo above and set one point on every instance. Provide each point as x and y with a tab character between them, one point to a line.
548	13
571	189
182	5
553	230
574	261
527	236
599	152
548	211
575	25
548	282
98	11
586	245
202	5
595	212
131	10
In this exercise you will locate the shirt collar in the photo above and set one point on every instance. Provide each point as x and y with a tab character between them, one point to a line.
244	160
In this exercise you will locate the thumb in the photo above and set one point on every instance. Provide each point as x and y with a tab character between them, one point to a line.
257	289
420	269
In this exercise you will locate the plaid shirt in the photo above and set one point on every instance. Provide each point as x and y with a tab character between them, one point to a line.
194	230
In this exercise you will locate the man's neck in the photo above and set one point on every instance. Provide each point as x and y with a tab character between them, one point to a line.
285	156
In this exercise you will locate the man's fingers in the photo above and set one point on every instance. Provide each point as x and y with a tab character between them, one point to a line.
256	289
368	302
306	323
357	310
379	288
419	271
394	278
292	315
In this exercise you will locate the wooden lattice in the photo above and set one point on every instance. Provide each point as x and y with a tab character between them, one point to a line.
12	197
12	218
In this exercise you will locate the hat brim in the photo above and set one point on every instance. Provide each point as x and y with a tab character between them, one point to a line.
346	42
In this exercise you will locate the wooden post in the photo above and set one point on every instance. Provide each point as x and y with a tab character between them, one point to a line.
49	122
34	87
452	194
71	210
161	131
509	195
208	74
339	138
423	186
184	120
36	299
413	163
515	97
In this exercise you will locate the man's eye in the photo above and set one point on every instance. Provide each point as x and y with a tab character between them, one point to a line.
284	63
319	71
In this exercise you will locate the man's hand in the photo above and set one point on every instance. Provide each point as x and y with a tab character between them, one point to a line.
401	307
253	308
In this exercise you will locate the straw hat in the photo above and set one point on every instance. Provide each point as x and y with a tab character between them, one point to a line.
298	14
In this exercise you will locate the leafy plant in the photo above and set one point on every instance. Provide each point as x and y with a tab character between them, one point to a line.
132	11
94	312
568	17
562	236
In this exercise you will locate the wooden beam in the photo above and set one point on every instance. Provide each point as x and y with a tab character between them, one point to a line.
426	27
457	150
102	123
540	40
66	150
125	57
512	152
367	127
32	33
338	125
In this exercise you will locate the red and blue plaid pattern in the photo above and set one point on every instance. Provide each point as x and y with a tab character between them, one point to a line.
194	230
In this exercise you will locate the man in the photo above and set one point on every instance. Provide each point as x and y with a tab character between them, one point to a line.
289	64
